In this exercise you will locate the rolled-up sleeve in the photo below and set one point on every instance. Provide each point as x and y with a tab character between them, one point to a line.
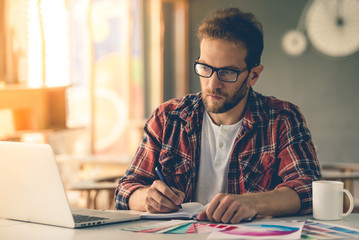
140	173
299	165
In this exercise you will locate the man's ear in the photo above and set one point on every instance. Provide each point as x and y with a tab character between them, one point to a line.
254	74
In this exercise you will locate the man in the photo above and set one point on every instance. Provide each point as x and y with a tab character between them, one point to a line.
229	146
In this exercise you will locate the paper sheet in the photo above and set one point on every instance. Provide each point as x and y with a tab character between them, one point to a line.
320	230
189	210
256	230
173	226
262	230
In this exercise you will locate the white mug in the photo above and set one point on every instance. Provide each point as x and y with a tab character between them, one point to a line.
328	200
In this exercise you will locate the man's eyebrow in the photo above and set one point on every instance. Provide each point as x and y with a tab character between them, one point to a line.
232	67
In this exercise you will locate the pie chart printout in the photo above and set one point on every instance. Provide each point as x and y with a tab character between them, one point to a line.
266	230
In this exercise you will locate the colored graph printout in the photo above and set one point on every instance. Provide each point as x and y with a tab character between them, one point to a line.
173	226
257	230
262	230
209	227
318	230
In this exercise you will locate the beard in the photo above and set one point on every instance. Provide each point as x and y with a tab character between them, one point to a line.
226	102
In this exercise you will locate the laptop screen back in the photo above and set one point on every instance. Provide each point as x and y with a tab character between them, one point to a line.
30	185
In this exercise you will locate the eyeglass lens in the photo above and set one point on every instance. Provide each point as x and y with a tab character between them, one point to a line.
223	74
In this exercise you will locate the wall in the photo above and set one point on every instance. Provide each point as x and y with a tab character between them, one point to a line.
325	89
2	41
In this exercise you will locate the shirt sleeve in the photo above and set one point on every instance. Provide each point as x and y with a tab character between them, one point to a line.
299	165
141	173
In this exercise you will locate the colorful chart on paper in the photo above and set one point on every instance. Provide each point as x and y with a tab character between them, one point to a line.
262	230
317	230
266	230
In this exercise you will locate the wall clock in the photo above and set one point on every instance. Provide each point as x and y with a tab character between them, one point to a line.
294	42
332	26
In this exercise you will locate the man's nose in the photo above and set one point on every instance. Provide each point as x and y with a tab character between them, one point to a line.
214	82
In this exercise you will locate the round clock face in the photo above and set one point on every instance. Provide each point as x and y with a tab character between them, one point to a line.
333	26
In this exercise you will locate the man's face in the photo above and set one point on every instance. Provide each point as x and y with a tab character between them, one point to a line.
219	96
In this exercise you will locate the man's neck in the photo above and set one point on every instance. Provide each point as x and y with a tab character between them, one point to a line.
232	116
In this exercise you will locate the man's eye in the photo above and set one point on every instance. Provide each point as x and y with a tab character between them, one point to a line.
205	68
227	72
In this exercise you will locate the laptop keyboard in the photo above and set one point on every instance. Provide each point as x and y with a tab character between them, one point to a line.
84	218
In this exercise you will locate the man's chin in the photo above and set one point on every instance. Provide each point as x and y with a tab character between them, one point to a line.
213	107
217	109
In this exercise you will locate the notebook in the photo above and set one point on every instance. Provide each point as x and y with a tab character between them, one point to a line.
188	211
31	190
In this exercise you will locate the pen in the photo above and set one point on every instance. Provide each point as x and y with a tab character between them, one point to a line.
160	175
249	219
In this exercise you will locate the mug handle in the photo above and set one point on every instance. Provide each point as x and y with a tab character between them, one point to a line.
351	200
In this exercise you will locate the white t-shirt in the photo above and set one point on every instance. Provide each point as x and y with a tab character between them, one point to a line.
216	148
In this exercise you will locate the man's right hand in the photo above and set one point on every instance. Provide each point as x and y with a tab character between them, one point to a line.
156	198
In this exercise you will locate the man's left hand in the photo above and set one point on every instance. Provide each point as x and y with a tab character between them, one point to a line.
228	208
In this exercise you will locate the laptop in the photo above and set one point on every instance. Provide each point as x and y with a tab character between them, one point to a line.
31	190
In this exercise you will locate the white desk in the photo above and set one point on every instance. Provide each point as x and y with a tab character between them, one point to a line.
15	230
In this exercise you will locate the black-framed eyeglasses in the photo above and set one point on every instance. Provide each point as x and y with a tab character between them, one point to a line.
224	74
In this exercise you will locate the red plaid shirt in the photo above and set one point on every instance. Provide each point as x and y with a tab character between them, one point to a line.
273	149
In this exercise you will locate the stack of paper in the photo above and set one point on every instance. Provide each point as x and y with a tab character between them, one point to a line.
263	230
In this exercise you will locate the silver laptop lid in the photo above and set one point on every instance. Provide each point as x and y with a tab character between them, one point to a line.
30	185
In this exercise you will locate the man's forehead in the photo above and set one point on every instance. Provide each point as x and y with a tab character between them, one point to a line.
213	49
215	42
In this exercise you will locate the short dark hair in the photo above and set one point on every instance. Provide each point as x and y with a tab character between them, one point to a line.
232	24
